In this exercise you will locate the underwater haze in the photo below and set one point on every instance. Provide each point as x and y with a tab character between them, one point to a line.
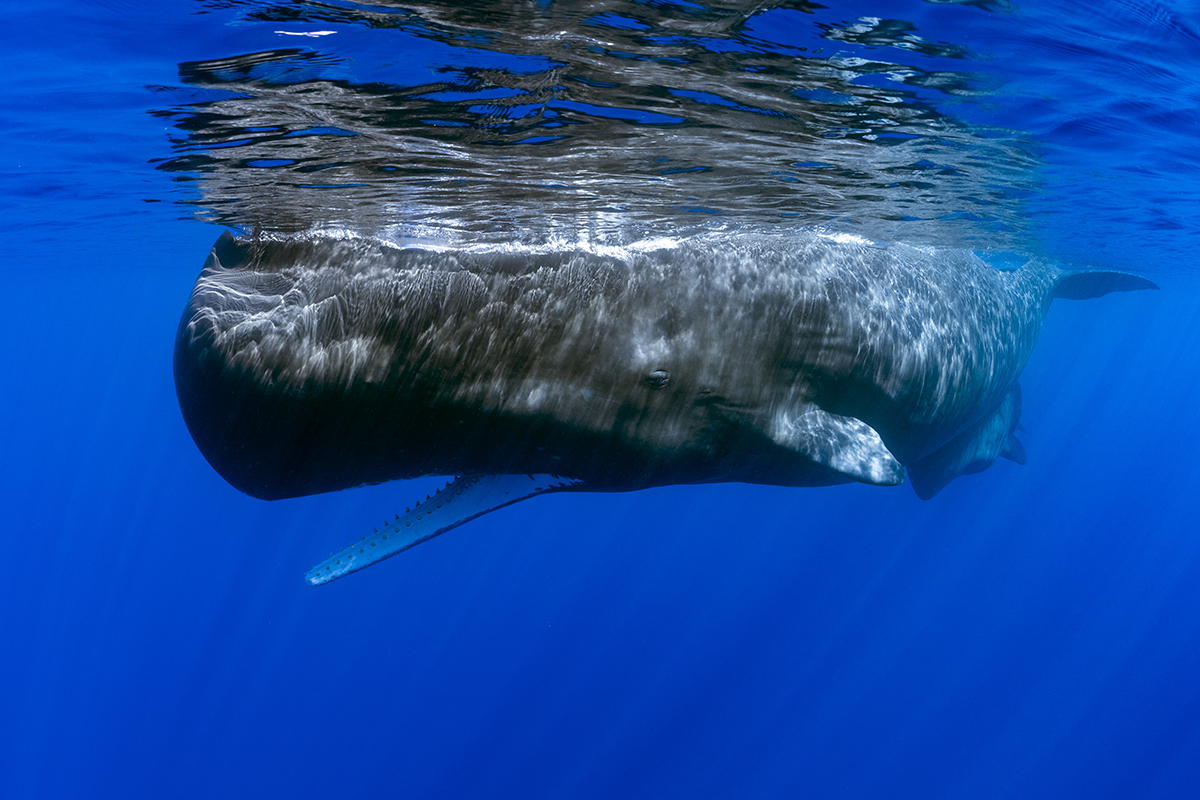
1031	632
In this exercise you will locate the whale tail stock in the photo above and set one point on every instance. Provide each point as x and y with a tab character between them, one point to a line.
994	436
973	450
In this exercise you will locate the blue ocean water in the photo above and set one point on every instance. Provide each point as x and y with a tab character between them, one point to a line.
1031	632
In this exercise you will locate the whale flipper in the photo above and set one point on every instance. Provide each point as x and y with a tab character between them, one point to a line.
461	501
1086	284
846	445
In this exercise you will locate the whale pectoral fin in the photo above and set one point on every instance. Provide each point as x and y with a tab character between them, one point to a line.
462	500
1086	285
846	445
1014	451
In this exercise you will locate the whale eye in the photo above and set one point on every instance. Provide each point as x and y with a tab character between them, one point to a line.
658	379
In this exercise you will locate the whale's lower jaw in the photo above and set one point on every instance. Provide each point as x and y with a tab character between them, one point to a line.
462	500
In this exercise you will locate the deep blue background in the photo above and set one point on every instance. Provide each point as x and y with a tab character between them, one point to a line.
1033	632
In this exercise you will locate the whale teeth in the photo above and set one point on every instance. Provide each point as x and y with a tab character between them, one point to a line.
480	494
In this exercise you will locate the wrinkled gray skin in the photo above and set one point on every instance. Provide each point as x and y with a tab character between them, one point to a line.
318	364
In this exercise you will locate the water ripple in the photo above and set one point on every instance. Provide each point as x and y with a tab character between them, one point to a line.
617	118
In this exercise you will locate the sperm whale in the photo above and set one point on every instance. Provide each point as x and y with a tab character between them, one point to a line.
316	363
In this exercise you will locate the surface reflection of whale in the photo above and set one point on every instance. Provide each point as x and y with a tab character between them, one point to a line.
316	364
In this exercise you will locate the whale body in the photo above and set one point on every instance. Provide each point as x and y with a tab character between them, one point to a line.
318	363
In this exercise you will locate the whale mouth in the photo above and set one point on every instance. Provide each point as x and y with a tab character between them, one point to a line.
460	500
